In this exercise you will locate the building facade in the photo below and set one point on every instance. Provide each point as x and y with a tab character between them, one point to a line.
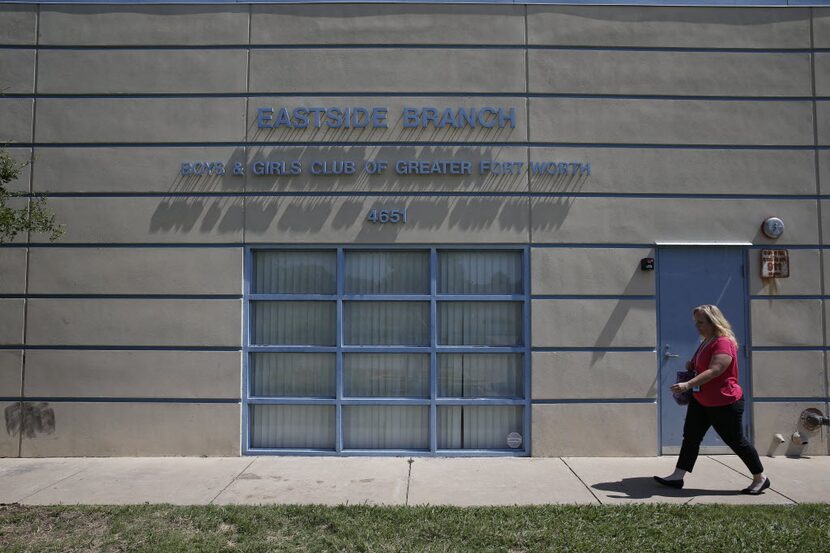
409	229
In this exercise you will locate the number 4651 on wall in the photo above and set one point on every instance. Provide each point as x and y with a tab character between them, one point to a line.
383	216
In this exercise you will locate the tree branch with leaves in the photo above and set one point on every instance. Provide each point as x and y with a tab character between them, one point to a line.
33	217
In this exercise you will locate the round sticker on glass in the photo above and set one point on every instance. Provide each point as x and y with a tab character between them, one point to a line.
514	440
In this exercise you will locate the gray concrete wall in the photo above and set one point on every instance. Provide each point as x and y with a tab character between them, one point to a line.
697	122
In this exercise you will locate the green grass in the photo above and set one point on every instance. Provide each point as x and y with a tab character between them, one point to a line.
633	528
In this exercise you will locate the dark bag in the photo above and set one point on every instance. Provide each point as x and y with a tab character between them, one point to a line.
682	398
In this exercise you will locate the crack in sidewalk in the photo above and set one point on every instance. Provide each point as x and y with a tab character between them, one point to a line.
234	479
742	474
408	480
581	480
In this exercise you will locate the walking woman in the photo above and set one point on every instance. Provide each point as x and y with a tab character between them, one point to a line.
717	400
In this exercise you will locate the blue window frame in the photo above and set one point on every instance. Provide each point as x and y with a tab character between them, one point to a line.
379	350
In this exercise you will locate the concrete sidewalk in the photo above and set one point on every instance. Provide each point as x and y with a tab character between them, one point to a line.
401	481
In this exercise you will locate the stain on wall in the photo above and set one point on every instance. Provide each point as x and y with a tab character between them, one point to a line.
30	419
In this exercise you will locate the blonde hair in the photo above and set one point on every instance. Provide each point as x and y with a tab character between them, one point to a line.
715	316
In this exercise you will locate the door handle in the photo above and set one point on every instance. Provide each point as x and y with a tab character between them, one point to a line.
669	355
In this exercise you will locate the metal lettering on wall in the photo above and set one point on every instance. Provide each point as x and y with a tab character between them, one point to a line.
377	117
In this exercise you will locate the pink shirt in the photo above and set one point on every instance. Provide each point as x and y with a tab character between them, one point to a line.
723	389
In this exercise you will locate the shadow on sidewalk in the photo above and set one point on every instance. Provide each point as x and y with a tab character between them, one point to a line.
644	487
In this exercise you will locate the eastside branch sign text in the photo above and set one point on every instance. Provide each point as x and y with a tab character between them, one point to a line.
377	117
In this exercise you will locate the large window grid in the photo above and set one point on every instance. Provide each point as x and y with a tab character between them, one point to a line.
428	405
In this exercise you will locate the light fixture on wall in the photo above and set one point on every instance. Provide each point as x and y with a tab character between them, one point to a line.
772	227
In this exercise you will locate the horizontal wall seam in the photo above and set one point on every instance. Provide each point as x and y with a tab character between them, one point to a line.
397	94
789	296
121	400
125	296
808	399
652	400
294	245
650	349
632	297
403	46
790	348
430	194
118	348
517	144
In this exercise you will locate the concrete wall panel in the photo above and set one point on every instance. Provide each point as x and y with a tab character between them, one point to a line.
822	73
168	219
593	323
825	219
824	170
571	430
133	374
823	120
671	73
586	375
441	220
390	70
770	419
138	429
136	271
672	27
640	220
16	115
11	321
826	258
677	171
396	130
12	271
398	180
387	24
635	121
135	322
142	71
11	372
612	271
17	71
786	322
78	120
804	279
821	27
788	374
9	441
22	157
18	24
129	25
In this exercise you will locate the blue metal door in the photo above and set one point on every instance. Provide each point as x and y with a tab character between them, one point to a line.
688	276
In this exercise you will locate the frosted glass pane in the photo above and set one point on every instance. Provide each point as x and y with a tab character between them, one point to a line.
386	427
495	272
404	323
292	426
292	374
379	272
494	323
295	272
480	375
386	375
301	323
477	427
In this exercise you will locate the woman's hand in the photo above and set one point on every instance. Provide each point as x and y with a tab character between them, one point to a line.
680	387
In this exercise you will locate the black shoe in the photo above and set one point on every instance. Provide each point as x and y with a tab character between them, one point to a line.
676	484
751	491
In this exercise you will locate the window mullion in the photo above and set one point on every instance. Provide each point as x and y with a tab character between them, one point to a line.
433	354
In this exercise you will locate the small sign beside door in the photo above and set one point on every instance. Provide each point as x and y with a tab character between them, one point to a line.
775	263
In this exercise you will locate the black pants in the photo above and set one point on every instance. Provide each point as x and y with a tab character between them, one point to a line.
728	423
